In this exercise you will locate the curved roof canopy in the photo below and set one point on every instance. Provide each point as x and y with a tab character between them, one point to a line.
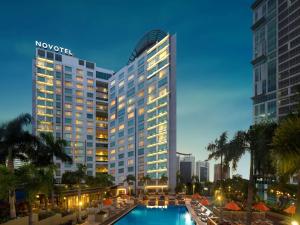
148	40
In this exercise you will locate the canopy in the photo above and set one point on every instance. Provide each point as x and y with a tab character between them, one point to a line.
204	202
261	207
196	196
107	202
232	206
291	209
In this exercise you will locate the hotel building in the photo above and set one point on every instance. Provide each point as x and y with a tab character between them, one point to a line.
142	114
70	100
202	170
276	58
123	123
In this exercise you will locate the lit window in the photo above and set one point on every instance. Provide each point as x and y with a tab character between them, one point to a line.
121	126
113	102
121	83
79	108
151	89
131	115
113	116
131	77
112	131
68	113
141	111
68	106
120	106
130	162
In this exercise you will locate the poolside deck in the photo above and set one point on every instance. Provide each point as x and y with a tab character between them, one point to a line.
193	213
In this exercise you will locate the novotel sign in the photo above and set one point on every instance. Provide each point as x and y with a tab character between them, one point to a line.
53	47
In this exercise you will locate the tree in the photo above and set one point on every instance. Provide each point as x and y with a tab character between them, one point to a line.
129	180
76	178
145	180
100	180
195	180
15	143
48	147
164	180
286	152
218	149
33	181
257	141
179	185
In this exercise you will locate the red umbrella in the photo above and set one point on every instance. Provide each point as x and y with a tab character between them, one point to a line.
107	202
204	202
261	207
196	196
232	206
291	209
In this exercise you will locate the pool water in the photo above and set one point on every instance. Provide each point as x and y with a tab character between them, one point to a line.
173	215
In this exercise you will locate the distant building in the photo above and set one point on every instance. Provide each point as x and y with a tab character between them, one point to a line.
217	172
187	168
202	170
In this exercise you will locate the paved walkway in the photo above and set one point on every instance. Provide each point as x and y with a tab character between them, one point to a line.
193	213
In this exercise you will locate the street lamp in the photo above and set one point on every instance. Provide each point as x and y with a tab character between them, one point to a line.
294	222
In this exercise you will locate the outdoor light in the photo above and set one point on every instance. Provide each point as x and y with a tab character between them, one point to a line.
37	196
219	198
294	222
80	203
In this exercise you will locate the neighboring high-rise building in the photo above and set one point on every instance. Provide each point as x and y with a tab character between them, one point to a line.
70	100
288	55
217	172
187	168
142	113
276	58
264	61
202	170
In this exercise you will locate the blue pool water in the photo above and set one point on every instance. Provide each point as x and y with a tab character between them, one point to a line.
173	215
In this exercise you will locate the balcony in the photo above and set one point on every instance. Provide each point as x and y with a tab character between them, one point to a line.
256	3
258	23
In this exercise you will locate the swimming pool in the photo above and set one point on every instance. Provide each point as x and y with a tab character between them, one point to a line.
172	215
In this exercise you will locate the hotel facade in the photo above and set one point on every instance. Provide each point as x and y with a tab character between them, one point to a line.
121	123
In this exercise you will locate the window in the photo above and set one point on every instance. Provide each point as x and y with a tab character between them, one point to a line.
121	156
272	76
130	154
68	69
121	163
101	75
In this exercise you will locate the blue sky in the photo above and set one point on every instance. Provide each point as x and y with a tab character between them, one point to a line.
214	83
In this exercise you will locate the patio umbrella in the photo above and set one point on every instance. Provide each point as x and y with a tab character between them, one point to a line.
261	207
291	209
232	206
204	202
107	202
196	196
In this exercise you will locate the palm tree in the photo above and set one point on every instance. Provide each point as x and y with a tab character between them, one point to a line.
164	180
76	178
145	180
33	180
48	148
195	179
286	152
219	149
15	143
129	180
100	180
257	142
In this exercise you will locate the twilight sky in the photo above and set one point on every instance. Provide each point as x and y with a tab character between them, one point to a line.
214	83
